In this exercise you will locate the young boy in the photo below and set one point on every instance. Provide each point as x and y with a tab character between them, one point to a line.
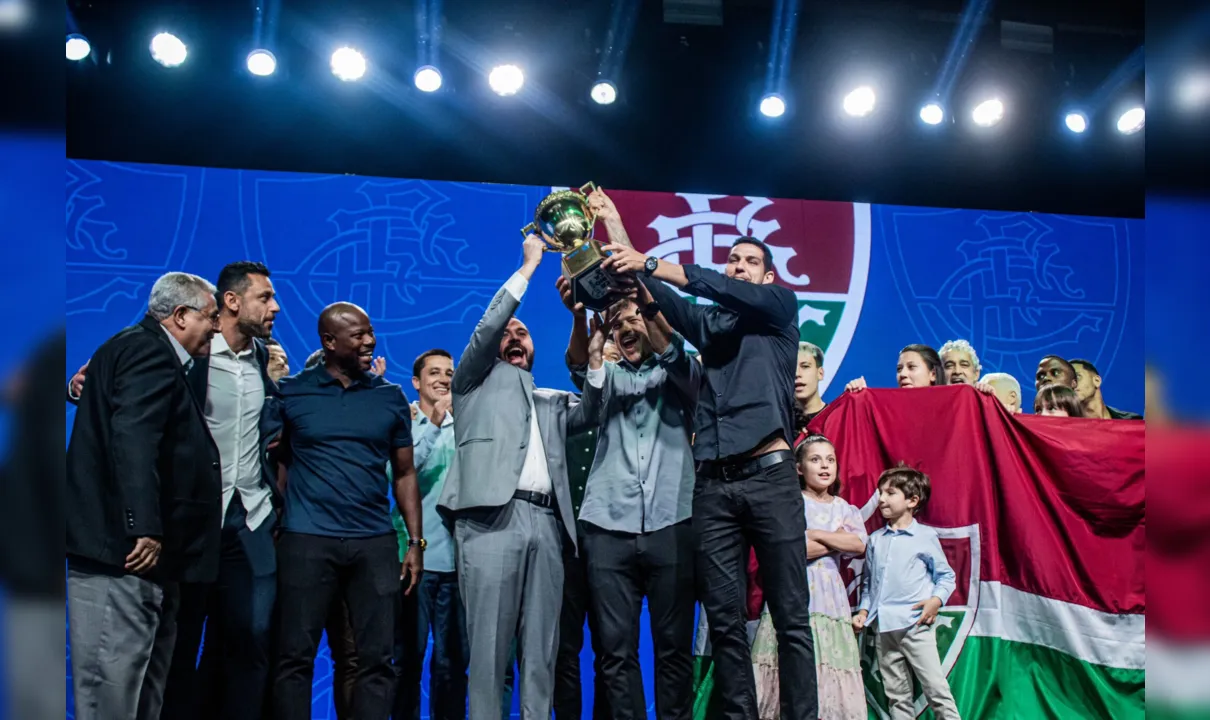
906	581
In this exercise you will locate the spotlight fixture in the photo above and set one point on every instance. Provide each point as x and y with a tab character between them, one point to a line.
860	102
1132	121
772	106
261	63
427	79
1076	122
168	50
604	92
506	80
988	112
77	47
348	64
932	114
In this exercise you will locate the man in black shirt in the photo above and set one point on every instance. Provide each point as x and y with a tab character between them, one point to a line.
747	487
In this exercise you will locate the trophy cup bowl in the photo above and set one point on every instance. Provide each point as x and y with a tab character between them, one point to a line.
565	223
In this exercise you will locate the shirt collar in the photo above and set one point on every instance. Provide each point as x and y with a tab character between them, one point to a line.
218	346
909	530
323	377
422	419
181	353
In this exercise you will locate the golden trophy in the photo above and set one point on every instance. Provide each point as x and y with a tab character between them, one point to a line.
565	223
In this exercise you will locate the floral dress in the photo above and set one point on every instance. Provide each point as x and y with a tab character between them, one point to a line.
837	662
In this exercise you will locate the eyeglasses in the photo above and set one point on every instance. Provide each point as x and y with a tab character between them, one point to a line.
212	317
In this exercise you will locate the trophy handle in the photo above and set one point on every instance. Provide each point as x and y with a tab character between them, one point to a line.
588	187
530	229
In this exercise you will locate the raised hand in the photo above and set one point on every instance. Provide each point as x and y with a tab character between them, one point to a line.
624	259
440	408
856	385
379	367
602	205
596	341
563	285
531	251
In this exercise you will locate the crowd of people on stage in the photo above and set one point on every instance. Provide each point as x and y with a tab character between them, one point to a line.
223	513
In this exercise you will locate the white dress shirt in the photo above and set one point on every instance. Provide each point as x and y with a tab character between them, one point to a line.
234	398
535	475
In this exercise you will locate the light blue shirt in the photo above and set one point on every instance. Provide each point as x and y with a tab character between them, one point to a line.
903	568
433	452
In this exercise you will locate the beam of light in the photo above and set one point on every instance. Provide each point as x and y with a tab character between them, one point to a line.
960	47
1076	122
622	17
932	114
604	92
988	112
348	64
77	47
506	80
772	106
261	63
168	50
781	49
427	79
1132	121
860	102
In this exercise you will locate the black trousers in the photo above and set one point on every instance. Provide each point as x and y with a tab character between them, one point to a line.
231	679
623	568
313	572
569	700
763	510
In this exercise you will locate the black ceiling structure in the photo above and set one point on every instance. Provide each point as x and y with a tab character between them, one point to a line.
685	119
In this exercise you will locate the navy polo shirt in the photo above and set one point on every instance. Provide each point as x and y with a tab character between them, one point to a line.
338	441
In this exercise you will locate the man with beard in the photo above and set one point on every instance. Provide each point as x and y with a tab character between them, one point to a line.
343	425
960	363
232	383
747	486
508	494
636	533
1088	390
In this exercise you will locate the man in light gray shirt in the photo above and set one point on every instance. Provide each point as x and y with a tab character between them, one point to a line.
637	503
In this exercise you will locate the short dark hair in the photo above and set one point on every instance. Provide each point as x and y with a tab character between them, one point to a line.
1062	361
418	366
1086	364
765	252
801	449
234	278
813	350
314	359
909	481
271	342
931	359
1058	397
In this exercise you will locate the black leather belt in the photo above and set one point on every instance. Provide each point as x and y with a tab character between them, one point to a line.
537	498
730	471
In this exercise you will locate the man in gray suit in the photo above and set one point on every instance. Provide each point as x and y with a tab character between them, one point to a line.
508	493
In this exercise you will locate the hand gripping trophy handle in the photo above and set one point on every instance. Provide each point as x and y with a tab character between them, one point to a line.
565	223
532	229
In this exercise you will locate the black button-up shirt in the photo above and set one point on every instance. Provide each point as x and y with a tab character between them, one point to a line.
338	441
749	349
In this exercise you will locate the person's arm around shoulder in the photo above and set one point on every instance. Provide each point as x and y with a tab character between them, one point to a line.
480	353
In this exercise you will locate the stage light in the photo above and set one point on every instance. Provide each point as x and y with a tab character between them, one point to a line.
348	64
168	50
77	47
1076	122
772	106
860	102
261	62
427	79
1132	121
988	112
932	114
604	93
506	79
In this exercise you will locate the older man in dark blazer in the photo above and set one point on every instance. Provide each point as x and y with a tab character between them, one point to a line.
144	483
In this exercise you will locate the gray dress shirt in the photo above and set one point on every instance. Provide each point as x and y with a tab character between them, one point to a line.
643	473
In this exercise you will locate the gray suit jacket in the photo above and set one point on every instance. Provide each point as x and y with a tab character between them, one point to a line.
492	423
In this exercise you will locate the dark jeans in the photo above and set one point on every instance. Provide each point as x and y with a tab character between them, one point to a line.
569	701
237	612
313	572
435	607
622	569
343	650
764	510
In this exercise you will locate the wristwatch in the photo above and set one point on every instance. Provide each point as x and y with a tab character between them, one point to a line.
651	309
650	266
420	543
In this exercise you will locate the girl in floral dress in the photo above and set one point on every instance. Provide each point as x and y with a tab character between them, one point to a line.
834	529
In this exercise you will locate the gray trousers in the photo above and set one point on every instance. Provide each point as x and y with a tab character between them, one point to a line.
908	652
122	631
510	569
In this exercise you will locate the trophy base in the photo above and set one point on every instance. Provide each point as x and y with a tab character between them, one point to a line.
595	289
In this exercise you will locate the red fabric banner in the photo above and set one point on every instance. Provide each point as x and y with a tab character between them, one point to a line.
1059	502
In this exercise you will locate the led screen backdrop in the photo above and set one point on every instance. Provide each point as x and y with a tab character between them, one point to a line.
424	258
